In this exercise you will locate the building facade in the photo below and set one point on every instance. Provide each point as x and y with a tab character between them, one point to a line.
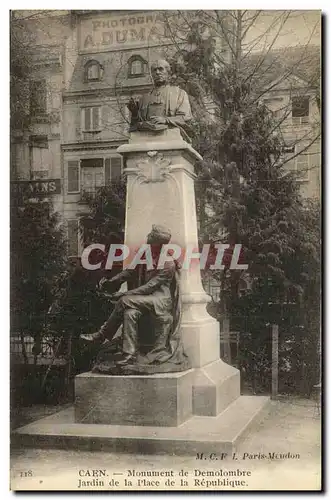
85	67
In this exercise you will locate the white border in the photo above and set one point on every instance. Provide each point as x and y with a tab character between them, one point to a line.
126	5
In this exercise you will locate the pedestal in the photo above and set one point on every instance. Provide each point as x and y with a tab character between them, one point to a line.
164	399
160	190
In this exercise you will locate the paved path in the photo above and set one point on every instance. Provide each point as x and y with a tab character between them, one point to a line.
290	427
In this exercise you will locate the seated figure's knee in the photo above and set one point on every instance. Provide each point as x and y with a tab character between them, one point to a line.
119	304
132	313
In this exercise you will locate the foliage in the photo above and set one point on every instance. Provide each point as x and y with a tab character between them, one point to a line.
20	69
78	307
247	195
104	223
37	257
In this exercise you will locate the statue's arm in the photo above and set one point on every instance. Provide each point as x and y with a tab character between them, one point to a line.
183	115
183	111
164	276
175	121
120	278
137	109
133	107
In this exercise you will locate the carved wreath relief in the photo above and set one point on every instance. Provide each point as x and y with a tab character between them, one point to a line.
153	169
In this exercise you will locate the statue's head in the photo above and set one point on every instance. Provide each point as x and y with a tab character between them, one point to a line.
161	72
159	235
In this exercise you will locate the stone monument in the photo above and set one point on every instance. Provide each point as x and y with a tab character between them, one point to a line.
160	189
198	407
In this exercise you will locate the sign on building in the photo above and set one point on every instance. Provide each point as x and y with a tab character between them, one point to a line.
114	32
26	190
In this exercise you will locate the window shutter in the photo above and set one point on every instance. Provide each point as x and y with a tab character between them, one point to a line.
107	172
95	118
40	174
73	176
38	101
116	168
73	237
113	169
87	118
39	141
300	106
42	97
303	166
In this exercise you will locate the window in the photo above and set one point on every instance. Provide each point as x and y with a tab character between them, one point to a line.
86	176
93	71
137	66
300	110
278	114
244	287
289	149
213	288
38	98
41	159
302	167
113	169
73	176
215	292
299	164
275	106
91	119
73	235
92	175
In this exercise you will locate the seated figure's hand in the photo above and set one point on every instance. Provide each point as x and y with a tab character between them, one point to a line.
102	283
158	119
117	295
101	293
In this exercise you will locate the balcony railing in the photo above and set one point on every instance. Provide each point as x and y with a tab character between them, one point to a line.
87	195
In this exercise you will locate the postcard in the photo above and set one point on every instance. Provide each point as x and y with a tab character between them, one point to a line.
165	278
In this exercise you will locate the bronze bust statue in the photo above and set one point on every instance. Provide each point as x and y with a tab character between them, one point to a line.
149	313
166	106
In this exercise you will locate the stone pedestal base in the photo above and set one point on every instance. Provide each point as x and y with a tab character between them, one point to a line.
197	435
215	387
163	399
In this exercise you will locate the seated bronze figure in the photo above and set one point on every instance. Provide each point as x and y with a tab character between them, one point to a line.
149	313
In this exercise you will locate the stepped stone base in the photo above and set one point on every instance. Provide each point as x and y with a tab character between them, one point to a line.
163	399
196	435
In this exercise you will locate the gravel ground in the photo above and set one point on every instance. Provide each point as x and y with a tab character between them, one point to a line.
289	426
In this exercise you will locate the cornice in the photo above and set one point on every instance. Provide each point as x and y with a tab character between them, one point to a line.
105	91
86	146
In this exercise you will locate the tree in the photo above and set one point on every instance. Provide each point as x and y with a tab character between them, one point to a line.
252	198
104	222
248	47
20	67
78	307
37	257
32	35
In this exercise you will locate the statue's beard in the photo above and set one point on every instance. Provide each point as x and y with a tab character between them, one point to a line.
160	83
